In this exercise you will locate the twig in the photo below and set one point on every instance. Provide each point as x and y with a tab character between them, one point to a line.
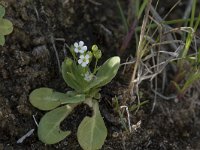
128	63
56	52
124	69
171	9
35	120
128	117
105	29
29	133
157	20
163	96
137	125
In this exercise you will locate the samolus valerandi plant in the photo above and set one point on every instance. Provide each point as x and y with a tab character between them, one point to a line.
92	131
6	27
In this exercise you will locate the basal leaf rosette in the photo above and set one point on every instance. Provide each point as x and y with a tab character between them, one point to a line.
86	84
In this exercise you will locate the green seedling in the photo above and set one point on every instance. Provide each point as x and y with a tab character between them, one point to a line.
136	106
76	73
194	74
6	27
121	112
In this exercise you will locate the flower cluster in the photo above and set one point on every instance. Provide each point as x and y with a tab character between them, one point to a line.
84	58
79	47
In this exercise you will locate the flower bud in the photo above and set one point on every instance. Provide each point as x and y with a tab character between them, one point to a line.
68	61
68	64
97	54
94	48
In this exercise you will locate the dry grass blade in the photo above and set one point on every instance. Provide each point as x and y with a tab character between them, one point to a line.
157	49
140	47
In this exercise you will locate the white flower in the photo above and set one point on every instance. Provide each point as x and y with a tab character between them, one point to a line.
79	47
88	76
84	60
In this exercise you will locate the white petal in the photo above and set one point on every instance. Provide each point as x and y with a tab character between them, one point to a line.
81	43
87	56
84	48
81	51
76	50
86	61
83	64
82	56
80	61
76	44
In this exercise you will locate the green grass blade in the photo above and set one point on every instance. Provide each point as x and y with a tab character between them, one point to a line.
142	8
193	12
197	23
122	16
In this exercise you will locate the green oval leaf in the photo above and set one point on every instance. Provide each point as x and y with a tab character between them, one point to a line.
44	99
49	130
47	98
72	75
2	40
67	74
6	27
92	131
69	99
2	11
71	81
106	72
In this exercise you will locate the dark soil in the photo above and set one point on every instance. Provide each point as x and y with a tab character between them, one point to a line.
28	61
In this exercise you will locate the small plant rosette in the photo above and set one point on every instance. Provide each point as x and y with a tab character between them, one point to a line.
86	85
6	26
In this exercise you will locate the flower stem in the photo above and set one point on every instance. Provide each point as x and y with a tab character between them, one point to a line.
95	67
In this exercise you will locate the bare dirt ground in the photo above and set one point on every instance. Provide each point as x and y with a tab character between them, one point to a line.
28	61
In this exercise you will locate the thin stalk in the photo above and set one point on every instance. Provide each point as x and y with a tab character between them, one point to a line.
142	7
189	36
198	56
137	8
169	22
122	16
197	23
140	47
193	13
95	67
